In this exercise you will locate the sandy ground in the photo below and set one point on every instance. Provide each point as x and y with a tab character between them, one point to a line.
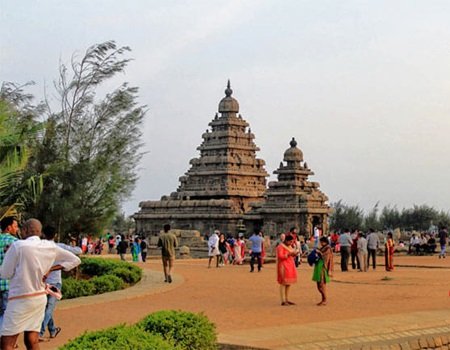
235	299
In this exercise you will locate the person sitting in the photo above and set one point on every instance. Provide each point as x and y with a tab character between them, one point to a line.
304	249
423	244
431	245
415	243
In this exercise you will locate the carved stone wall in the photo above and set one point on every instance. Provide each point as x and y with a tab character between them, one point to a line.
225	187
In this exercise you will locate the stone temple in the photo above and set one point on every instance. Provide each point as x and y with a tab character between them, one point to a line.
225	187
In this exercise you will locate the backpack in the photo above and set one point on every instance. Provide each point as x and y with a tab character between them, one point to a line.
313	257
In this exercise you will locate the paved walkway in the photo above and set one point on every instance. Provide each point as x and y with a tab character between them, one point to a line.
151	283
365	308
345	334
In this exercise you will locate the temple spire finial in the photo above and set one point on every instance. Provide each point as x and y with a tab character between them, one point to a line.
293	143
228	91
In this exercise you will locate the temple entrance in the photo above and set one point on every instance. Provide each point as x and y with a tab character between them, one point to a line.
316	221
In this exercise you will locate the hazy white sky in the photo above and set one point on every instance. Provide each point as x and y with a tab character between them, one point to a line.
364	86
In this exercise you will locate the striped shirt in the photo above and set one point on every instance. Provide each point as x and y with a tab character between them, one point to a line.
5	241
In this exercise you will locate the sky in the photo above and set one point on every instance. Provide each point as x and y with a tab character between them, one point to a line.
363	86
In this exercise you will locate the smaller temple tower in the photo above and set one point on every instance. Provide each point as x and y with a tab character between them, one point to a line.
292	200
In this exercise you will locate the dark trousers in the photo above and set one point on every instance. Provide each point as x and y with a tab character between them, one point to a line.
252	261
345	253
144	256
355	260
373	254
297	261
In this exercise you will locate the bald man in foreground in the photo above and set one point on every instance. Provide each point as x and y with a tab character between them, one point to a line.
26	264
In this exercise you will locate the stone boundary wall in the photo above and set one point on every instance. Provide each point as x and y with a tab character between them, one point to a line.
435	342
237	347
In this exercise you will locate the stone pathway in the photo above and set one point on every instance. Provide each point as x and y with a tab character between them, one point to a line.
348	334
364	309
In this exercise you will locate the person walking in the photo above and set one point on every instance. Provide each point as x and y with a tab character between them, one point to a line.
122	247
443	236
136	250
111	243
239	250
144	249
53	279
167	242
362	252
223	249
354	251
213	248
345	242
286	270
257	248
323	269
10	228
27	264
373	243
389	252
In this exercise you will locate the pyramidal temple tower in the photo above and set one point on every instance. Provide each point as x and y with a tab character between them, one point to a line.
292	200
221	184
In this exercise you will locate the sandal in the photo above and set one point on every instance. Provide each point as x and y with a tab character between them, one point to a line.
284	303
290	302
57	330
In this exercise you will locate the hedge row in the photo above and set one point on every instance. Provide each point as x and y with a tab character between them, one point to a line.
107	276
178	330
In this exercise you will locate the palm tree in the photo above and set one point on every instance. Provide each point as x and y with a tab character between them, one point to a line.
14	156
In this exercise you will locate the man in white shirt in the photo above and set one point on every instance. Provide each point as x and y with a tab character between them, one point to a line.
373	243
213	245
414	242
345	241
362	252
27	263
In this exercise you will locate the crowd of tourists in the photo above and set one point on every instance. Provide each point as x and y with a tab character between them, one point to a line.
357	250
138	247
119	243
30	281
233	250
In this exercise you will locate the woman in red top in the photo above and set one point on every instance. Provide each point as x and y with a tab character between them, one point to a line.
286	271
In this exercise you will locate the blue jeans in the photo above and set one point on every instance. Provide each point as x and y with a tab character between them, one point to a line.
443	248
3	303
48	318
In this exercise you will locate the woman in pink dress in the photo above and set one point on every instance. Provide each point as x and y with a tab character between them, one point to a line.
286	271
237	252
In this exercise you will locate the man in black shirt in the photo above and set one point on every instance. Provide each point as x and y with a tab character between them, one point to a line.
443	235
143	249
122	248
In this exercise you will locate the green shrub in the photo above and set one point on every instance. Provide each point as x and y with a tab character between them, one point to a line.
107	283
127	275
185	329
107	276
119	338
73	288
99	267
